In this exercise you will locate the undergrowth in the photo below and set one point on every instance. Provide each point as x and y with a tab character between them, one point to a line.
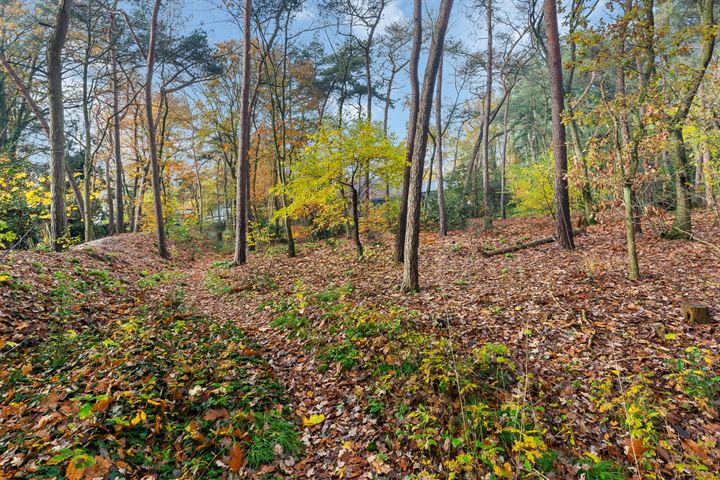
162	393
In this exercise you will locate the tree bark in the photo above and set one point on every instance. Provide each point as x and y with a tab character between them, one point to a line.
109	193
562	197
709	194
682	226
356	221
243	166
88	160
521	246
152	136
119	202
503	180
57	124
487	214
625	148
412	124
411	280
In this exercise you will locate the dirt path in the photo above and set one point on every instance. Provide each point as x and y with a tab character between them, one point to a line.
330	448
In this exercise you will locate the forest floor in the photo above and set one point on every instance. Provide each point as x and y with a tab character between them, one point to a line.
541	363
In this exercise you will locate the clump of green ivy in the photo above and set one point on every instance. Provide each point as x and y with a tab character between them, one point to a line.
696	374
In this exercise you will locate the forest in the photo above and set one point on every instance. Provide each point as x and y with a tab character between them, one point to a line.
359	239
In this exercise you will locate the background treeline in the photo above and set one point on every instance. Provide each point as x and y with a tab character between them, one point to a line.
641	111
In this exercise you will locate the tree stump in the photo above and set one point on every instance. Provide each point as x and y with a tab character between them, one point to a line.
696	313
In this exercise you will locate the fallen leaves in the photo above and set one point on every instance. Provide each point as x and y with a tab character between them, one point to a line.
213	415
570	317
313	420
236	458
634	448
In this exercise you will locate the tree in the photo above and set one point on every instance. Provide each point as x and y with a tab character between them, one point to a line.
243	167
401	233
411	281
442	224
57	123
57	40
152	135
487	214
682	226
328	174
119	205
564	230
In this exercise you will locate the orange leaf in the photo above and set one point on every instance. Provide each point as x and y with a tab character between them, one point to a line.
74	472
101	405
634	448
100	469
237	457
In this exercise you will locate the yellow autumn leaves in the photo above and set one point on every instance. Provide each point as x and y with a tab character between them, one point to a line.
313	420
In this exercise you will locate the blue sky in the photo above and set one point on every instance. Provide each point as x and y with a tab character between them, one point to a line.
210	16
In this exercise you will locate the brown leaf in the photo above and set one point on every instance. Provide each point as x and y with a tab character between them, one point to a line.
212	415
237	457
100	469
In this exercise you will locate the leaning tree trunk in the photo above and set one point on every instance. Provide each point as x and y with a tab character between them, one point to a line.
562	197
243	165
412	124
411	280
57	124
152	136
442	215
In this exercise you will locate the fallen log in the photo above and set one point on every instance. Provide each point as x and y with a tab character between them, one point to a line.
520	246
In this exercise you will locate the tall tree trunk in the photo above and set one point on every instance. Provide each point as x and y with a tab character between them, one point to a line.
152	136
88	156
119	202
109	194
388	93
442	218
625	148
589	210
503	178
386	112
709	195
356	221
562	198
487	214
243	165
412	124
57	124
411	280
43	121
426	197
682	226
368	78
